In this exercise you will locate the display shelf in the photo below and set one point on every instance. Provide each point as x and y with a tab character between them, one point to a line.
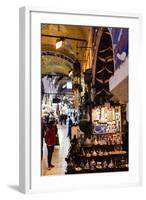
104	146
99	157
103	156
108	133
97	170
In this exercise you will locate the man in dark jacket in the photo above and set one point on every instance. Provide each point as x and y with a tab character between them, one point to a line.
69	127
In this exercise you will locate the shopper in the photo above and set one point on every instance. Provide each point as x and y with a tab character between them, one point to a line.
65	119
47	119
69	127
76	117
61	119
56	131
50	139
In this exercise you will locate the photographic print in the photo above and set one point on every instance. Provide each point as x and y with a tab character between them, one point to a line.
84	99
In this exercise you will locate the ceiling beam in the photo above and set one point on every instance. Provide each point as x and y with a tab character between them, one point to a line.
64	37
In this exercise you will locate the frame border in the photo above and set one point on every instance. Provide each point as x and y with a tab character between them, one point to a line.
25	86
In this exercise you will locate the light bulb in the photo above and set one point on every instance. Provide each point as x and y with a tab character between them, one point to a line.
58	44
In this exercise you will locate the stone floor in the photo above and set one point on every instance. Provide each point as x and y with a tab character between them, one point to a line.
59	154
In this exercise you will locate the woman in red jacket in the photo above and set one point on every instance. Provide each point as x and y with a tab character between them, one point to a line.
50	139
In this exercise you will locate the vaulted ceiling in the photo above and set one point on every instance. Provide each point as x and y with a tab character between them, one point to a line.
61	60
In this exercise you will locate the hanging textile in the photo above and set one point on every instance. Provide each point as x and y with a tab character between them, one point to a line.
104	68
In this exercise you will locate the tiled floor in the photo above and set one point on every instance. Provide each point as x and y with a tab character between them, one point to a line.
59	155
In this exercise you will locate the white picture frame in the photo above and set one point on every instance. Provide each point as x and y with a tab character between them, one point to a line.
29	160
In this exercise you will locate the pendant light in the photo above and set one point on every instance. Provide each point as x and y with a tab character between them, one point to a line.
59	43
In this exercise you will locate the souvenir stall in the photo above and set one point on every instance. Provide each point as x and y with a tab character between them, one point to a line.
101	146
49	108
46	105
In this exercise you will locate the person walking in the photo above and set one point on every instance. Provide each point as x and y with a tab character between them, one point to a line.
69	127
50	139
47	119
61	119
65	118
56	132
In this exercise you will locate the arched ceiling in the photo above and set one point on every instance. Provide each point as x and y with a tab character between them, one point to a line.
52	63
53	83
74	49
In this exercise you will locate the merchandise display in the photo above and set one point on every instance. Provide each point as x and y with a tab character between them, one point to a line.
75	131
97	153
106	119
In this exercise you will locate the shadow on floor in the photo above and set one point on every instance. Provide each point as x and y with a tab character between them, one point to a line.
14	187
